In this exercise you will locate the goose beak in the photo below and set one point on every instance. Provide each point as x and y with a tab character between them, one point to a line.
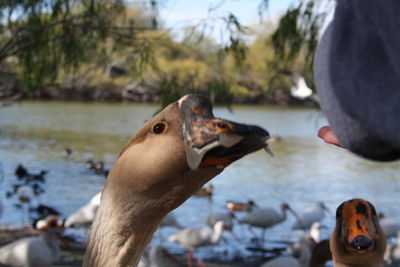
211	141
359	238
358	223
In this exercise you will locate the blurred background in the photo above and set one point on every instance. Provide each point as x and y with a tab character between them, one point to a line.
79	78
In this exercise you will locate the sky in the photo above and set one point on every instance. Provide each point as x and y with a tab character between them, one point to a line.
177	14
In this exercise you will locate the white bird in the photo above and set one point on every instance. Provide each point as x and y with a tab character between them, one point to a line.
311	214
315	231
302	249
84	216
300	90
41	251
266	217
194	237
171	157
226	217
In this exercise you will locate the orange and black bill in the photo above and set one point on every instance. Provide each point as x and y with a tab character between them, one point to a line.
356	219
211	141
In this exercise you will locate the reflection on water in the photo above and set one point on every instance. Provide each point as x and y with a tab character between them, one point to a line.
304	169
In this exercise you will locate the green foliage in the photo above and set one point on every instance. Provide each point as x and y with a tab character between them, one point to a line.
73	43
44	36
298	32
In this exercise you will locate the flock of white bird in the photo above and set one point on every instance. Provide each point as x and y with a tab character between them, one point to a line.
44	249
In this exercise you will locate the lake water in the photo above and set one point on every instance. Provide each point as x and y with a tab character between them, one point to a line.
303	171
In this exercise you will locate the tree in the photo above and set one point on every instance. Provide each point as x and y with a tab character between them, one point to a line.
42	40
43	36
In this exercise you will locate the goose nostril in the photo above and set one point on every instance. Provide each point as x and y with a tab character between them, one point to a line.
361	242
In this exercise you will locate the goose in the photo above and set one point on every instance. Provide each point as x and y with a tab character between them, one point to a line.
311	214
41	251
266	217
357	239
171	157
84	216
194	237
240	206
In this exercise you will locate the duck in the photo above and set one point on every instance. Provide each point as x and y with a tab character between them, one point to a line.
194	237
311	214
21	171
67	152
266	217
240	206
170	158
84	216
41	250
23	174
357	239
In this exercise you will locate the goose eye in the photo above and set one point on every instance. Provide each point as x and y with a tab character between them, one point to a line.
159	128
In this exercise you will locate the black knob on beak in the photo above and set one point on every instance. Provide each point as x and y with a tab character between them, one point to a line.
361	242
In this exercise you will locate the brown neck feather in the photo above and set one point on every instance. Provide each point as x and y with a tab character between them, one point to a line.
130	212
369	259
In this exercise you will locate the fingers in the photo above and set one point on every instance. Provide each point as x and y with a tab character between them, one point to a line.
326	134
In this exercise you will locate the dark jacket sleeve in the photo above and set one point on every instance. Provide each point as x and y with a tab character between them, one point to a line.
357	74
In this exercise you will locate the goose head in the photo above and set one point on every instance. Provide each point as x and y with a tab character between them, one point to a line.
357	237
185	138
169	159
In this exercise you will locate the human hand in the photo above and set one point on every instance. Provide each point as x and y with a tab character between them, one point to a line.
326	134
